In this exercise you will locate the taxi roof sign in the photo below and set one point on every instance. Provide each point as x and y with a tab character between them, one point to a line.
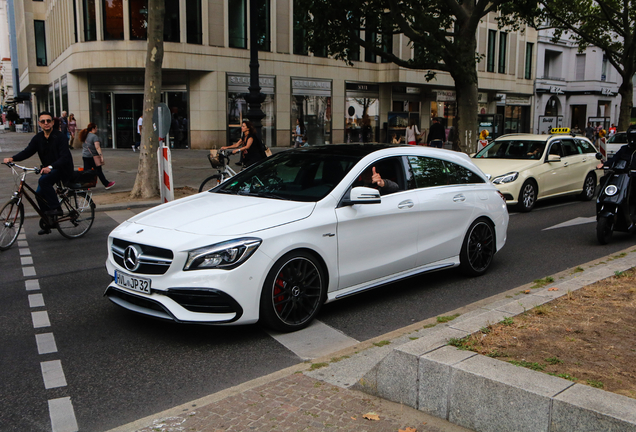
560	130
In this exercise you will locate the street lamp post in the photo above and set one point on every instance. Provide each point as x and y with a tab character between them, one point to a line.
254	99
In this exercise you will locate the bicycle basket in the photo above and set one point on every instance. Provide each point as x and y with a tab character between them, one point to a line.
214	161
82	180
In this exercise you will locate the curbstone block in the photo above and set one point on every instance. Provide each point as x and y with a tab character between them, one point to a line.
586	409
480	321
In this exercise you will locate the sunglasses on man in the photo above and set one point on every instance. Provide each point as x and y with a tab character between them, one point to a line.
45	121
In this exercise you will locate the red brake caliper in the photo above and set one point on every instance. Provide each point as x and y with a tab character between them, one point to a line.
278	288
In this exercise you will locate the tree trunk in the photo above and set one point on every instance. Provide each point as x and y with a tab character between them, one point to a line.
626	90
147	180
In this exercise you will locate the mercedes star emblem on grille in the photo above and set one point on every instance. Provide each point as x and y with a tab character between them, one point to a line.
131	257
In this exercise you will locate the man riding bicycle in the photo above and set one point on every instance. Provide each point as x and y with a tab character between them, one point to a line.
57	162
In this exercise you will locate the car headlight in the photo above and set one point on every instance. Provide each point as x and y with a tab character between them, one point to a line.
506	178
226	255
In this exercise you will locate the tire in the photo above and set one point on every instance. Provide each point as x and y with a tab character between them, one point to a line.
79	214
589	187
478	248
211	182
527	196
604	230
294	291
11	218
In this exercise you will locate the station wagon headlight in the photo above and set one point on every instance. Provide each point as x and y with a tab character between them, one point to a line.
506	178
226	255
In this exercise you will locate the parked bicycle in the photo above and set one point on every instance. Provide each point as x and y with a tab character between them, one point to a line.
78	209
224	171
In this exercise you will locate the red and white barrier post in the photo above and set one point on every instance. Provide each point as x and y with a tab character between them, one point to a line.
161	123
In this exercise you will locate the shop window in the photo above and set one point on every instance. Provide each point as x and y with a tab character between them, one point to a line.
315	113
503	46
300	34
237	23
194	24
528	71
362	119
492	40
138	19
237	112
64	83
40	42
113	19
90	23
171	27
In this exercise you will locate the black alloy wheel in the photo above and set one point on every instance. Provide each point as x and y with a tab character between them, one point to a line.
294	291
478	248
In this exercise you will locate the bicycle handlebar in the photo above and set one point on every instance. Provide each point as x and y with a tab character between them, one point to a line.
13	164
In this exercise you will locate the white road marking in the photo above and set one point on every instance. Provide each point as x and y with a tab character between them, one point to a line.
46	343
22	236
25	251
120	216
62	415
40	319
573	222
28	271
315	341
23	244
36	300
53	374
26	260
32	284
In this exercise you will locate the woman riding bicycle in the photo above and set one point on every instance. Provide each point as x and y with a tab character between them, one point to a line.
249	144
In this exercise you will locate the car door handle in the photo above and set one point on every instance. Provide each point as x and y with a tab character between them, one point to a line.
565	164
459	198
406	204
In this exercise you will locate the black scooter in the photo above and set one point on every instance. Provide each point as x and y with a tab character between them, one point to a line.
615	209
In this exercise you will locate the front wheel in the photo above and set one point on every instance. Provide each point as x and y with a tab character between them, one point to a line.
589	187
211	182
79	214
294	291
604	230
11	218
527	196
478	248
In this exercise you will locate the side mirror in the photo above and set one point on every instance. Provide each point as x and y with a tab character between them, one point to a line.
363	195
489	176
554	158
599	156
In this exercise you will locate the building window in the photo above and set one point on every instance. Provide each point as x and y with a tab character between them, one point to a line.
580	67
300	34
193	20
138	19
113	19
264	27
75	21
492	40
387	45
237	23
90	23
370	37
64	83
171	28
503	42
51	106
528	72
604	69
58	98
40	42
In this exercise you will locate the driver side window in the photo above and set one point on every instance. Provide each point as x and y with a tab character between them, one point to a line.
555	148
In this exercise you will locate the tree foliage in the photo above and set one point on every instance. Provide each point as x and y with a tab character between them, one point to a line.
442	32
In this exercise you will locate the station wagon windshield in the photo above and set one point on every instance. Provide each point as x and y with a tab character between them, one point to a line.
512	149
305	176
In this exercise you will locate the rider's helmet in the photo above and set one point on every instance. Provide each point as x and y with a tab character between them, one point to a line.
631	137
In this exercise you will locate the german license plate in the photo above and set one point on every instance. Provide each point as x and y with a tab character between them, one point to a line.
141	285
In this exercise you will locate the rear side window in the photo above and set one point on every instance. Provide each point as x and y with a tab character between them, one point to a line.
585	146
427	172
569	148
458	174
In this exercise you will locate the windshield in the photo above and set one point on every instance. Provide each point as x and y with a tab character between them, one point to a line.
620	137
512	149
299	175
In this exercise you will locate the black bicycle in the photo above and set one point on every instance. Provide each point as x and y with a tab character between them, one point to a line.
78	208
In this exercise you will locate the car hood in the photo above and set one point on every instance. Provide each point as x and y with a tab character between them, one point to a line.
497	167
219	214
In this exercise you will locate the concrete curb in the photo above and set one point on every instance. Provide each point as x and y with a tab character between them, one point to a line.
481	393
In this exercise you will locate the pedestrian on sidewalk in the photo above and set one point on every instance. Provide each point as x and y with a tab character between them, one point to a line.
437	134
137	143
300	135
412	133
92	153
72	127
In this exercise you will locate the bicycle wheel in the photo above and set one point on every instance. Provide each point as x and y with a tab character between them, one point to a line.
11	218
79	214
211	182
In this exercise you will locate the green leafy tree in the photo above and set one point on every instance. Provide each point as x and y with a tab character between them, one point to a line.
442	32
607	24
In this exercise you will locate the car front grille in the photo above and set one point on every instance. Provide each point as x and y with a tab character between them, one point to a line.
205	300
152	261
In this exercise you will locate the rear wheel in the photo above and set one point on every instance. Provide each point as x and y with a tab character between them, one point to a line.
527	196
604	230
79	214
211	182
589	187
11	218
294	291
478	248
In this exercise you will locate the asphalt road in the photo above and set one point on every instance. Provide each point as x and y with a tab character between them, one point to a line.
119	367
